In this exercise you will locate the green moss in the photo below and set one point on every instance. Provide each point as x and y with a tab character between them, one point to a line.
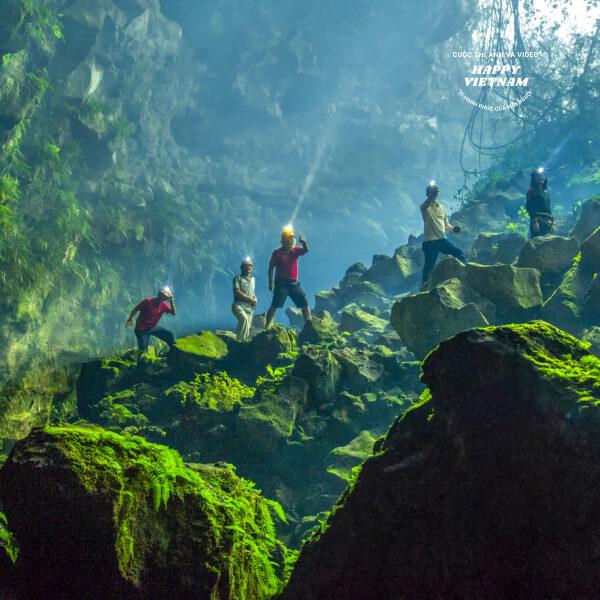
215	392
347	458
146	477
205	344
557	355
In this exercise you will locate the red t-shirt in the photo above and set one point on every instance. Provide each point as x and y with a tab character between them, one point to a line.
286	263
150	313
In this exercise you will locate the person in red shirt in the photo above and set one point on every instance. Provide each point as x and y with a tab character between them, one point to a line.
284	262
151	310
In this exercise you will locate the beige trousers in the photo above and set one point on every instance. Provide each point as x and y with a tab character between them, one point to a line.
244	316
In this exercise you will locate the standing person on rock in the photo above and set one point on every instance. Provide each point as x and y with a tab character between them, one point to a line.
436	225
244	300
284	262
151	310
538	207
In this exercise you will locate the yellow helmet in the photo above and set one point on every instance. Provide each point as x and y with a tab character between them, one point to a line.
287	232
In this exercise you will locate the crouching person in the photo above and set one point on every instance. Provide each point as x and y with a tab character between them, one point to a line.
244	300
151	310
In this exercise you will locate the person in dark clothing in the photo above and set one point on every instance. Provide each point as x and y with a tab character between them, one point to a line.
151	310
538	206
284	262
435	220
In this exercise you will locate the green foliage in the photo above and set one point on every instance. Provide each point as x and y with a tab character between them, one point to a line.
215	392
520	224
9	189
7	541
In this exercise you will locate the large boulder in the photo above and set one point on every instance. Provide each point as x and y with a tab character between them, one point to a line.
508	248
425	319
590	252
588	219
360	373
321	370
569	306
194	353
549	254
97	514
327	300
266	424
354	319
513	290
592	336
321	328
487	488
364	293
393	273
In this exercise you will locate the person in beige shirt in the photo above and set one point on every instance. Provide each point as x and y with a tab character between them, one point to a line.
436	225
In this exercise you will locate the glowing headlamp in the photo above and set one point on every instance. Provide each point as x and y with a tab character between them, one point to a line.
432	182
541	170
288	231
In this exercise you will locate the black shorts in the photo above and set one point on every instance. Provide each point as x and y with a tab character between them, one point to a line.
283	289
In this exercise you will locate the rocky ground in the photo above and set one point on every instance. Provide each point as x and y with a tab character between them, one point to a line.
297	410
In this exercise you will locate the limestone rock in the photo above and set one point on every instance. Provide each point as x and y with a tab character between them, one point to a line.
196	351
487	488
588	219
393	273
566	307
319	329
359	372
321	370
592	335
509	288
94	511
590	252
509	247
362	293
326	300
427	318
264	426
354	318
551	254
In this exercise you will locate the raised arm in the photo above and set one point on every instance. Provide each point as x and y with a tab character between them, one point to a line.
171	301
304	244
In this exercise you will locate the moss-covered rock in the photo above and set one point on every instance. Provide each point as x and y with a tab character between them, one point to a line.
94	510
425	319
566	307
327	300
354	318
592	336
360	373
362	292
321	328
321	370
588	219
265	425
513	290
486	488
393	273
549	254
194	352
508	248
590	252
343	459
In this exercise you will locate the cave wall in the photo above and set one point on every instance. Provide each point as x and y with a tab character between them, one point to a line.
148	142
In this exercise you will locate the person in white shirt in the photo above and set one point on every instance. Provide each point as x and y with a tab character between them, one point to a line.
244	299
436	225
